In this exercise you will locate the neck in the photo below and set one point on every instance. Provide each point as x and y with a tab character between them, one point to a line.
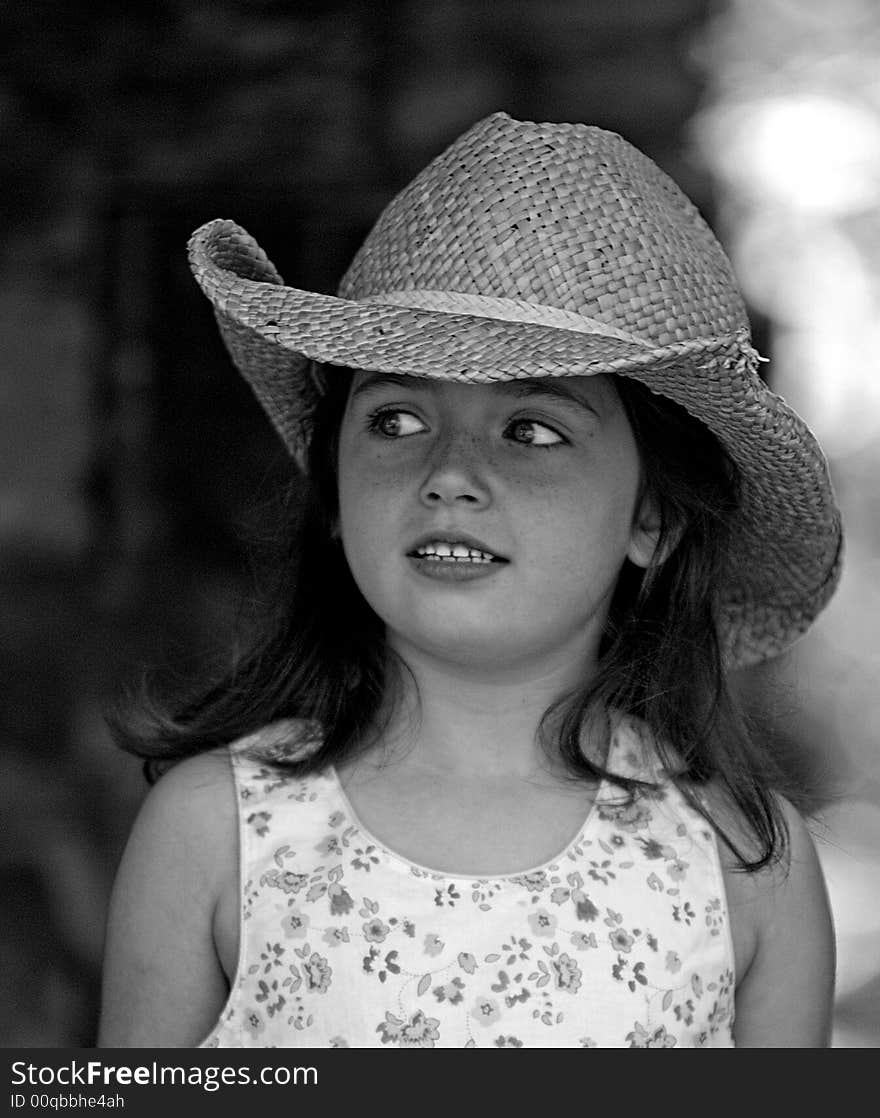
460	722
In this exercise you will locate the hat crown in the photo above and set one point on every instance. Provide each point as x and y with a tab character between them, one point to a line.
562	216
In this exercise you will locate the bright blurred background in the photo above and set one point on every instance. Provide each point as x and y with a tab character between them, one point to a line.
132	457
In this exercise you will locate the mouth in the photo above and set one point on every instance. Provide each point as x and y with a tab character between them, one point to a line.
452	550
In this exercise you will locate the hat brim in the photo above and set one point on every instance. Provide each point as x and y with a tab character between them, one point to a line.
272	331
785	561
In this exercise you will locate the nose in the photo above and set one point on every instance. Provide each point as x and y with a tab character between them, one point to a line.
456	475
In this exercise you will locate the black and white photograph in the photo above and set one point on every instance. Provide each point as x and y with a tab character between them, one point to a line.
439	526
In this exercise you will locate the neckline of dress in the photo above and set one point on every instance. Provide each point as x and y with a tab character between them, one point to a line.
602	793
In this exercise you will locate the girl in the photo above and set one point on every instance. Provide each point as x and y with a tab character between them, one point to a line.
481	784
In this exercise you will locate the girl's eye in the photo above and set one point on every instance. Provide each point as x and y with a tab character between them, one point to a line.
393	423
533	433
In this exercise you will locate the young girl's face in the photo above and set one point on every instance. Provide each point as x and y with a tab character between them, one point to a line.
486	525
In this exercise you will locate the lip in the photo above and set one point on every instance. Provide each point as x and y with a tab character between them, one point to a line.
452	538
454	572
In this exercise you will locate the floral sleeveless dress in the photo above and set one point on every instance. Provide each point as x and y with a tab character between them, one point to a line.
623	940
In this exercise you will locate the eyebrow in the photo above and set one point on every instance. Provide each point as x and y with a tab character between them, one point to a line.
373	381
556	388
519	389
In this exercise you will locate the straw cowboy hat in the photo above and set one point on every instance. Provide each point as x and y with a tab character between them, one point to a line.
545	250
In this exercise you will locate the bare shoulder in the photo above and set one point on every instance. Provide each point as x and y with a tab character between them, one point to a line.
187	824
195	799
783	937
163	984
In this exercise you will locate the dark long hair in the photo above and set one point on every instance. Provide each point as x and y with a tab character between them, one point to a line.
319	651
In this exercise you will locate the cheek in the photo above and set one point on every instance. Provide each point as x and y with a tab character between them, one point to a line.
356	499
368	501
589	515
367	488
356	483
360	515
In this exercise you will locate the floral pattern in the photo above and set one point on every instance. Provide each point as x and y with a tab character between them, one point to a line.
621	941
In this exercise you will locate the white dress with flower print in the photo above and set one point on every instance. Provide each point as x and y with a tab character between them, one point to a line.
621	941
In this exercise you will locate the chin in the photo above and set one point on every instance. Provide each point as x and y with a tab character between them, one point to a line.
481	654
456	646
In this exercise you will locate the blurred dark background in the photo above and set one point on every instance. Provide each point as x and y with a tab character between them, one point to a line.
132	456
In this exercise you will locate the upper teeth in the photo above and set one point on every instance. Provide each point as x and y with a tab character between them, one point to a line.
454	551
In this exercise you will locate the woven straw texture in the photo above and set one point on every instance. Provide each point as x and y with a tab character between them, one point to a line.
533	250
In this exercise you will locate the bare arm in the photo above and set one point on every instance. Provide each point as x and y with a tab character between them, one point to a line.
163	985
784	998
